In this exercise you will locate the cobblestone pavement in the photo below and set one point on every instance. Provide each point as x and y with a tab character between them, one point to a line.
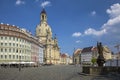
58	72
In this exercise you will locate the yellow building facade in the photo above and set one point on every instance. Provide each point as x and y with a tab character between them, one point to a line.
51	48
107	53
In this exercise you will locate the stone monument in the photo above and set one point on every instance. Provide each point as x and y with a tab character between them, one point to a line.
100	59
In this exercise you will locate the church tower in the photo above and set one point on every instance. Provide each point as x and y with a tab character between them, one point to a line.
44	34
43	30
43	16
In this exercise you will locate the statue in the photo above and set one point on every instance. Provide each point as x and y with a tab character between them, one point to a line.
100	59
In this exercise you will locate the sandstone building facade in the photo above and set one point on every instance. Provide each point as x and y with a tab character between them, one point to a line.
44	34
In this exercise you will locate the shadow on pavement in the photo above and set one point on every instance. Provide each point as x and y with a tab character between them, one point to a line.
110	76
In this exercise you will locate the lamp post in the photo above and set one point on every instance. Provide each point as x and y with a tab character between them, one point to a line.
118	47
19	54
19	63
50	54
117	62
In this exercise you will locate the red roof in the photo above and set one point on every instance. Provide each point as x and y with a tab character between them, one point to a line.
87	49
63	55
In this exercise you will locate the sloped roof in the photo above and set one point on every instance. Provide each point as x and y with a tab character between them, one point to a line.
94	49
63	55
87	49
78	51
106	49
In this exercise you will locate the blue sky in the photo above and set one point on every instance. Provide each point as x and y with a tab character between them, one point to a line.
77	23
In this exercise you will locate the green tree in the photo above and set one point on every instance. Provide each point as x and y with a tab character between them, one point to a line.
93	60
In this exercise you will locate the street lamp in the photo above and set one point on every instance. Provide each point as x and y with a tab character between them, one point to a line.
117	62
50	53
19	54
19	63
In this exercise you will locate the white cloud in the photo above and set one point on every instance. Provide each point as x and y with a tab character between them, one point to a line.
76	34
114	10
93	13
19	2
45	3
111	27
111	23
78	41
92	31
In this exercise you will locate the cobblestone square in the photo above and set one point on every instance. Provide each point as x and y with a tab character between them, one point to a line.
58	72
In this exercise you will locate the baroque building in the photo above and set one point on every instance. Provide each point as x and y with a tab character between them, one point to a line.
65	59
44	34
77	56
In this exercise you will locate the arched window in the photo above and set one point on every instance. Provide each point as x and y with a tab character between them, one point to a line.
42	17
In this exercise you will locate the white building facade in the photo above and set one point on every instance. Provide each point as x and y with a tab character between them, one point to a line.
18	46
87	54
41	57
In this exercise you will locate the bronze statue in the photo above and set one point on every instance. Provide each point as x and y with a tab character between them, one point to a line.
100	59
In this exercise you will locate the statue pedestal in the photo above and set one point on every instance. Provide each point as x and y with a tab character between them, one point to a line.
100	70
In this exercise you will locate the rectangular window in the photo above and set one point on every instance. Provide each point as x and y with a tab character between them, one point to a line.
9	44
17	56
22	57
1	44
10	50
5	38
20	51
1	56
5	56
17	51
1	38
9	56
5	50
17	39
1	49
17	45
5	44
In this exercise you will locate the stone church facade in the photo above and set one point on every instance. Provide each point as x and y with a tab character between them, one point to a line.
44	33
